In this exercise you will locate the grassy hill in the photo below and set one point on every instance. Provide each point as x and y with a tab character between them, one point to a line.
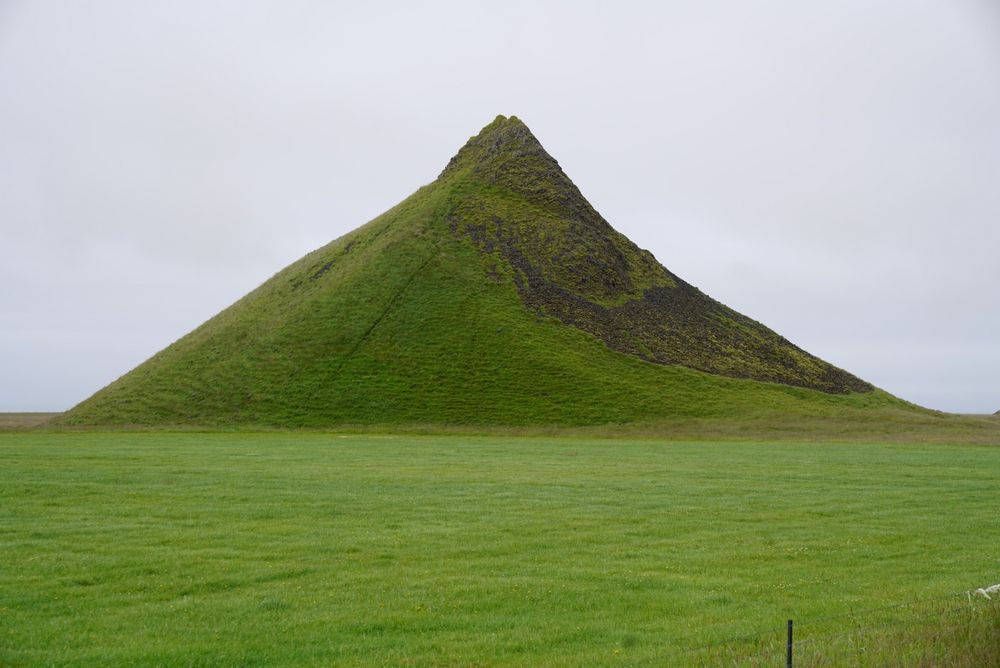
496	295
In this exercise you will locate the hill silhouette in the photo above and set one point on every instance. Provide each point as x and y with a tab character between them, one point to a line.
494	295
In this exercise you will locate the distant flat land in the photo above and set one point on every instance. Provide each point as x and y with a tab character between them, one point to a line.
317	549
18	420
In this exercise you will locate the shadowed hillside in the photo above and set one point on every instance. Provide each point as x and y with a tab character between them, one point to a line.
494	295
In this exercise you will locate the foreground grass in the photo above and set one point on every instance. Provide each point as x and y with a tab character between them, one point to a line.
278	549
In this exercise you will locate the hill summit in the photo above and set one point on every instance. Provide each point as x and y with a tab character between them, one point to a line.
494	295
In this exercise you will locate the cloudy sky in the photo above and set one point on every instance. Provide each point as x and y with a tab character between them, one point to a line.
829	168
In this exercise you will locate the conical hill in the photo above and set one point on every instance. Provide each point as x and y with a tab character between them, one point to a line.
494	295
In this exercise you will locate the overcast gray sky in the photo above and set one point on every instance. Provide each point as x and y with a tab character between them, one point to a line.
829	168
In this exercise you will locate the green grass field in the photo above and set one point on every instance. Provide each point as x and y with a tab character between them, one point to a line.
315	549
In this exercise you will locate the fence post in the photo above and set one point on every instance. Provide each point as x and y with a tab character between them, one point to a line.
789	643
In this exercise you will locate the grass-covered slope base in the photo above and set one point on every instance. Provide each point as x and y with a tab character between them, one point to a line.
495	295
316	550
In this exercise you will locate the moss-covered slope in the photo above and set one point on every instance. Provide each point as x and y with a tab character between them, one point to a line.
495	295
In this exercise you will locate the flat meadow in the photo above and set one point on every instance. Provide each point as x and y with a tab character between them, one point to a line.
196	549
